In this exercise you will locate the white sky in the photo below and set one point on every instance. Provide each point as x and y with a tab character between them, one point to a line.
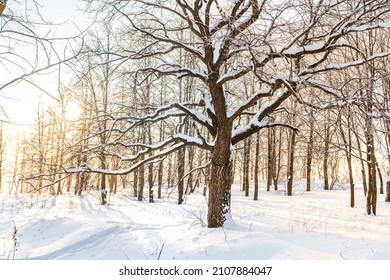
21	100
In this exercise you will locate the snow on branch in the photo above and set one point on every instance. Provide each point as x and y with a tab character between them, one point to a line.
233	75
257	122
366	27
342	66
176	142
169	69
148	148
325	88
176	109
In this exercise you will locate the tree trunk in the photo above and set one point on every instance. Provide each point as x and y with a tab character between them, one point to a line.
351	182
326	157
150	171
290	168
135	183
170	179
141	182
309	156
247	144
103	189
388	189
81	184
160	178
219	194
69	183
150	182
372	190
277	164
190	181
348	151
381	190
180	175
256	169
270	158
113	183
220	179
363	170
371	159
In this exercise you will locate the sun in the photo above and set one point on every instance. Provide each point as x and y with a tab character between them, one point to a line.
72	110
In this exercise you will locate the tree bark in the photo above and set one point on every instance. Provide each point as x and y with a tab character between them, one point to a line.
219	194
220	179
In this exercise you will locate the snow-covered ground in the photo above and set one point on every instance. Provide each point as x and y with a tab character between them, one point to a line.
307	226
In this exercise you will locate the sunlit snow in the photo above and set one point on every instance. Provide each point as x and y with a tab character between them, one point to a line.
317	225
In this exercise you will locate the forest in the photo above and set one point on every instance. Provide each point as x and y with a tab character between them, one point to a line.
166	99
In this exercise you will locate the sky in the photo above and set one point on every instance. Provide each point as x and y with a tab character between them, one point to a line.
20	101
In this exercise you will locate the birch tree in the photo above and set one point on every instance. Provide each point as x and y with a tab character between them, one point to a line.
229	40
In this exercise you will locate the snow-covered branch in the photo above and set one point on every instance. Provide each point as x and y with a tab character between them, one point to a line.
175	70
152	152
251	101
149	148
342	66
257	123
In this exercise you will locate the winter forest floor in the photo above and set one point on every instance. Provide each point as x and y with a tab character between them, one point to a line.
318	225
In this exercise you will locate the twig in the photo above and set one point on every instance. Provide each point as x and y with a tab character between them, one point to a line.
161	249
15	243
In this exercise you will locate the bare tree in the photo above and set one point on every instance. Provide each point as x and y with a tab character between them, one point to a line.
228	41
28	45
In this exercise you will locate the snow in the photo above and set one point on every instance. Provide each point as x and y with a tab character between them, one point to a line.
253	123
217	51
208	104
307	226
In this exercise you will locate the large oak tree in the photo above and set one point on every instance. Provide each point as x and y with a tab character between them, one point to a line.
287	46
